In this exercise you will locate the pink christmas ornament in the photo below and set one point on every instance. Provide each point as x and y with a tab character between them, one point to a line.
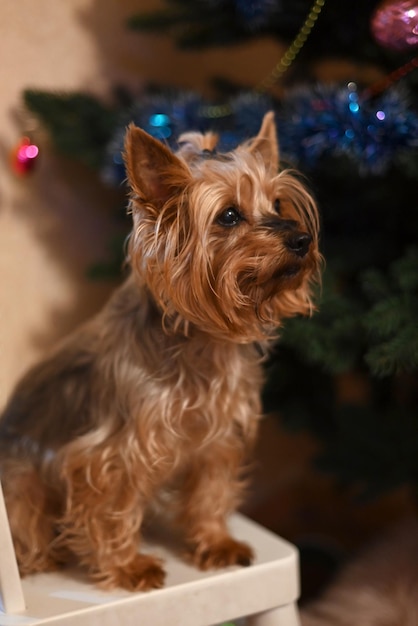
24	156
395	24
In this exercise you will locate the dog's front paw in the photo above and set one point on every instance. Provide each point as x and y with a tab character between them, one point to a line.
143	573
222	553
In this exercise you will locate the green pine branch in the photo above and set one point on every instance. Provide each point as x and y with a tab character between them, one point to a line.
391	322
79	125
192	27
333	337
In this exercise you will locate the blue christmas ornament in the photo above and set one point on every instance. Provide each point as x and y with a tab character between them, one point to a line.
160	125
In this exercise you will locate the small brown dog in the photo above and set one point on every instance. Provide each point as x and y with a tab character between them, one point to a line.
157	399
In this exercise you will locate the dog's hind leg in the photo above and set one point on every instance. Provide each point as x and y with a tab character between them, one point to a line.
32	514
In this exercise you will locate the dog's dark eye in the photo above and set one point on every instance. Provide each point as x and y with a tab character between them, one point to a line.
277	206
229	217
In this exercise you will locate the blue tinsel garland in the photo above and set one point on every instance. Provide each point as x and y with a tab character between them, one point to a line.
313	123
328	122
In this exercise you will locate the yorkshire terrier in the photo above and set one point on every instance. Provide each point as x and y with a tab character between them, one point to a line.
156	400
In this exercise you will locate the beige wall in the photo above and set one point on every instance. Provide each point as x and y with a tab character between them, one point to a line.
56	221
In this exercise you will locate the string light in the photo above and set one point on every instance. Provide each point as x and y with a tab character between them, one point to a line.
293	50
389	80
281	67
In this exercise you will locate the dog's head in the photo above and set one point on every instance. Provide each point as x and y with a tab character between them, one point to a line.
225	242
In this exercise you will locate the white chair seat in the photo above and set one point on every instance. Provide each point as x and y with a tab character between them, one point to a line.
265	592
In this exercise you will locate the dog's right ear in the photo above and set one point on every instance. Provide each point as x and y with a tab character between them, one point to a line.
266	143
154	173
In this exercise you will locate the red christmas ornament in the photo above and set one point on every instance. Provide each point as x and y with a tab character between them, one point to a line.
24	156
395	25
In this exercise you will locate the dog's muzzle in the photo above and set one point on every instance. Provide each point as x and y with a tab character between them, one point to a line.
298	243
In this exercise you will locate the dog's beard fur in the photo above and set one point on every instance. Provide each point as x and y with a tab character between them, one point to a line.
160	392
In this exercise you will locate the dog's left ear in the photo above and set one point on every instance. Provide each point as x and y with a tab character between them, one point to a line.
154	172
266	142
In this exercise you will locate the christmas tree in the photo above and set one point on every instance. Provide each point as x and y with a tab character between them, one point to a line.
357	142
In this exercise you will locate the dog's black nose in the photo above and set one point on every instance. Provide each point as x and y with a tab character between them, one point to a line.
298	243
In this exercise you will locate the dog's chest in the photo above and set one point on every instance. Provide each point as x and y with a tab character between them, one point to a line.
200	395
214	378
